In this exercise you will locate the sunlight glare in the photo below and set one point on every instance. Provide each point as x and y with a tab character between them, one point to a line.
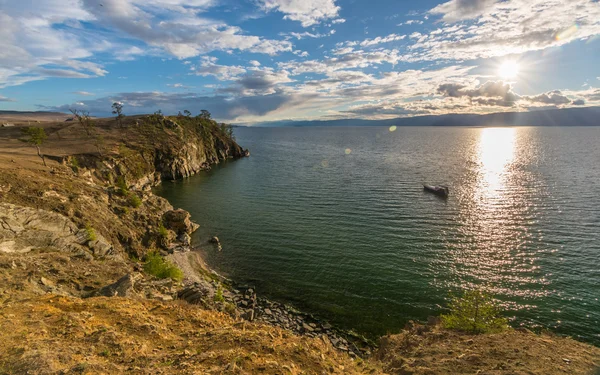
508	69
496	152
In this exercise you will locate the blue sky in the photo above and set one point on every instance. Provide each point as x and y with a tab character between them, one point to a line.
263	60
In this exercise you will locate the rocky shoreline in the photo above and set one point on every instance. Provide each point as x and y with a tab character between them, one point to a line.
243	302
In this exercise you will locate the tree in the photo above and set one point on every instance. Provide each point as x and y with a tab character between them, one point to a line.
118	110
36	137
227	130
204	114
474	312
187	113
84	119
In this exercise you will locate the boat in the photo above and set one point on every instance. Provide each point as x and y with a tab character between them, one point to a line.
439	190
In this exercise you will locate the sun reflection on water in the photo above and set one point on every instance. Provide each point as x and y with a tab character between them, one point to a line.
492	250
496	153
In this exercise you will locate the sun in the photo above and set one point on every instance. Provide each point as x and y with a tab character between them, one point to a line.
508	69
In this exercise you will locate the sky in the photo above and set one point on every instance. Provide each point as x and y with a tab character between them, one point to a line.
249	61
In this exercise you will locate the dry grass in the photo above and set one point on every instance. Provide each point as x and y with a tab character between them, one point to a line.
54	334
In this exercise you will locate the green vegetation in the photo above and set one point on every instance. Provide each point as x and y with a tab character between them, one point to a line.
91	233
133	200
474	312
157	266
75	164
123	189
163	232
36	136
219	295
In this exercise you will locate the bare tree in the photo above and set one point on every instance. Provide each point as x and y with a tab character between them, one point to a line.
84	119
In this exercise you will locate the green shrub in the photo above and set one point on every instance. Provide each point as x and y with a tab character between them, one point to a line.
123	189
133	200
474	312
219	295
163	269
91	233
75	164
162	231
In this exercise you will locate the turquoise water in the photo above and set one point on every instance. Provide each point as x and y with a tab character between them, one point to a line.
335	221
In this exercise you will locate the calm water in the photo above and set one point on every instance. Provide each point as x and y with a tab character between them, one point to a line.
334	220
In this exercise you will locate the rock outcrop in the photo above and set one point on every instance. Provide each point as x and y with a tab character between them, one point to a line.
179	221
24	229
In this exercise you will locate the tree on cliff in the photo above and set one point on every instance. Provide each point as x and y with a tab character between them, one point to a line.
118	110
36	137
84	119
204	114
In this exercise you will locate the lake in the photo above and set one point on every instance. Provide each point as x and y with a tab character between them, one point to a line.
334	220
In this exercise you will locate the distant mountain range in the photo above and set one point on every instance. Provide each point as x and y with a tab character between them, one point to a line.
586	116
26	113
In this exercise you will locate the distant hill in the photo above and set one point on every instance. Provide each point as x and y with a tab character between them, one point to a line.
37	116
587	116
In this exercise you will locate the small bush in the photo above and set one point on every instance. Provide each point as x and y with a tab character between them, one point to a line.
163	232
123	189
163	269
75	164
91	233
133	200
474	312
219	295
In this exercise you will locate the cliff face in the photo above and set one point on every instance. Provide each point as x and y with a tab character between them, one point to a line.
158	148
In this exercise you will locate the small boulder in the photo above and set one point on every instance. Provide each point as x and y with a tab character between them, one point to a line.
100	246
121	288
179	221
185	239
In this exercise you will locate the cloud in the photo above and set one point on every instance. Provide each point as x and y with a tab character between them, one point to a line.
554	98
259	82
490	93
579	102
84	93
179	86
5	99
222	107
59	38
456	10
303	35
177	27
379	40
498	28
209	67
307	12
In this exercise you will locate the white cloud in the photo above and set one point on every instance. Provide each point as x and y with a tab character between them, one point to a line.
498	28
50	39
5	99
456	10
303	35
84	93
209	67
379	40
307	12
254	63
